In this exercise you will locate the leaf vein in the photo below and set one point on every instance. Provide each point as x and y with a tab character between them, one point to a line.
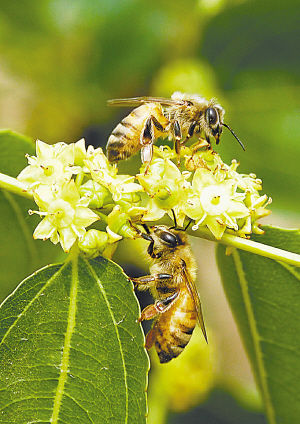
290	269
31	301
80	406
117	334
67	342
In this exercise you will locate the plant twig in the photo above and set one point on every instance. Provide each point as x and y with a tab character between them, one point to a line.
251	246
14	186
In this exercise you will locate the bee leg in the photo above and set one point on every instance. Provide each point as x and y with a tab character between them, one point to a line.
157	124
209	147
146	155
149	312
190	132
177	136
146	140
159	307
150	338
202	142
148	281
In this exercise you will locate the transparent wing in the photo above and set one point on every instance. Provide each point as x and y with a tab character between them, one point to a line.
195	296
135	101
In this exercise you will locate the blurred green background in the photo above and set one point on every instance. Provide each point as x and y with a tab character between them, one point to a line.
61	60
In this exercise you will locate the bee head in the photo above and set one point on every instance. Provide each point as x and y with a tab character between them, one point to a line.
164	240
214	121
213	118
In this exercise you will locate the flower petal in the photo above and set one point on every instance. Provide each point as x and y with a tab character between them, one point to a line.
67	237
44	230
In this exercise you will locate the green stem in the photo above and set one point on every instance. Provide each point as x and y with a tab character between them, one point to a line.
14	186
251	246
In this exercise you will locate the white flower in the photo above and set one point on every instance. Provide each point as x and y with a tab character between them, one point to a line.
216	205
65	215
167	188
97	165
121	185
53	164
106	174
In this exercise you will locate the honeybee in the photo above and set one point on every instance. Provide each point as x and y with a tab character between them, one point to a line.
171	282
179	118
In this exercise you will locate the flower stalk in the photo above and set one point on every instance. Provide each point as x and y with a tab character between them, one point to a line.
14	186
251	246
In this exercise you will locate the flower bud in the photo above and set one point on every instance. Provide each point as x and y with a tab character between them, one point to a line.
97	194
130	199
118	223
93	242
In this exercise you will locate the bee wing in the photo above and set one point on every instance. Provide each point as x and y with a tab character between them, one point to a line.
135	101
191	286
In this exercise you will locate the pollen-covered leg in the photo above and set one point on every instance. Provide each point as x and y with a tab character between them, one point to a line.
148	138
202	142
177	136
150	312
159	307
150	338
148	281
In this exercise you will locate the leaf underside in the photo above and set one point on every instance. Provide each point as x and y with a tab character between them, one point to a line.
265	299
72	350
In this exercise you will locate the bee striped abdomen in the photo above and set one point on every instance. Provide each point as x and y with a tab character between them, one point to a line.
174	328
124	141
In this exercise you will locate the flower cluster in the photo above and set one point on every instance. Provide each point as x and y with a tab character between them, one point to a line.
211	193
75	187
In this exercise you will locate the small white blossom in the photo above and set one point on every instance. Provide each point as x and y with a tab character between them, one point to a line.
65	215
167	187
53	164
106	174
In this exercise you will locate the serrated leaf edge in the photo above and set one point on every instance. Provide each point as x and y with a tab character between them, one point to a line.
117	334
255	337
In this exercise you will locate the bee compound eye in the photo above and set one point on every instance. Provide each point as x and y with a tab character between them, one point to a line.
168	238
211	116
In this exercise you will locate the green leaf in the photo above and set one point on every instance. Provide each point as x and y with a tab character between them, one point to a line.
265	299
72	350
16	226
14	146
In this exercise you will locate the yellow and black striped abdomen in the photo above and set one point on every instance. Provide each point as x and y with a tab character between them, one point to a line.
173	329
125	140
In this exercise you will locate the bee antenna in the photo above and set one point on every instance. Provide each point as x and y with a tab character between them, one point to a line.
188	224
146	228
234	135
174	219
145	236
